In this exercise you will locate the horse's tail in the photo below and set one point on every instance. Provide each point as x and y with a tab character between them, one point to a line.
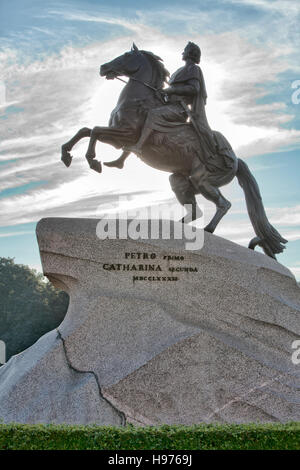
267	236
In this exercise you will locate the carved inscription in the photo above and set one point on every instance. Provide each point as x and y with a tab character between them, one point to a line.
151	267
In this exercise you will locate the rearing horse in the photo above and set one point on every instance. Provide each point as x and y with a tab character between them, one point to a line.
177	151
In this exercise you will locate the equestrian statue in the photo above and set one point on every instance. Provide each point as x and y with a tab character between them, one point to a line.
167	128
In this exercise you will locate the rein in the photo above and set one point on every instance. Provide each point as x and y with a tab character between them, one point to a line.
156	90
137	80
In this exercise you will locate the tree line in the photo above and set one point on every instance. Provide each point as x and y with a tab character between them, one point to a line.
29	306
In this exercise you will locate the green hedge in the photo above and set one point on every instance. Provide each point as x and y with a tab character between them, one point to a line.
204	437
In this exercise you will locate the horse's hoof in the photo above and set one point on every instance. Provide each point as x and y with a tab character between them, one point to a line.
66	158
95	165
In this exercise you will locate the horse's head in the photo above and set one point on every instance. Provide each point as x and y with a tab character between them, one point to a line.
145	64
127	64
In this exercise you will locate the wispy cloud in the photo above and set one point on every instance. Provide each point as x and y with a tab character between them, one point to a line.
15	234
286	7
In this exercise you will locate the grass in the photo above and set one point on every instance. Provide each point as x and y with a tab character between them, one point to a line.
197	437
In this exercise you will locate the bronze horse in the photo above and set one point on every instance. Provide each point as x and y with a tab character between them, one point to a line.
177	151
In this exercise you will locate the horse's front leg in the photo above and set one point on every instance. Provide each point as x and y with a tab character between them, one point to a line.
109	135
91	151
66	157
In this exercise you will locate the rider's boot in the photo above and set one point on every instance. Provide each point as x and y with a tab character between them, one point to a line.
137	148
119	163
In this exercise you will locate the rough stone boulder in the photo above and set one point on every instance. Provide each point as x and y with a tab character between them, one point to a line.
158	334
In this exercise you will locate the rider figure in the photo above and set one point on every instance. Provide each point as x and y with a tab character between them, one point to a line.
187	88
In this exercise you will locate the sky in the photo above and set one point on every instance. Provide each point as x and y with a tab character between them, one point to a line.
50	53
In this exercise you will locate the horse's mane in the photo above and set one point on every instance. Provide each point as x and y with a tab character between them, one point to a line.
160	73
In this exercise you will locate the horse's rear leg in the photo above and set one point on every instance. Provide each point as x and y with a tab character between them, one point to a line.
66	157
185	193
223	205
